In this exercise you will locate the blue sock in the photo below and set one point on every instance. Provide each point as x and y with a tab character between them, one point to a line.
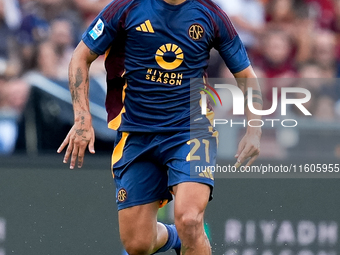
173	239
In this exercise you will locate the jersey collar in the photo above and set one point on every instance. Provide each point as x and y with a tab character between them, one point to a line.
171	6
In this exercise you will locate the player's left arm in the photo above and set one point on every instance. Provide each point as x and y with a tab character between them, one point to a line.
234	54
249	146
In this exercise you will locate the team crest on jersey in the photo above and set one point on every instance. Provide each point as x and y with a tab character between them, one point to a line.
196	32
97	30
122	195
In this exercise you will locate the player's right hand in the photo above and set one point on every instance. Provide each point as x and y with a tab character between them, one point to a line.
78	138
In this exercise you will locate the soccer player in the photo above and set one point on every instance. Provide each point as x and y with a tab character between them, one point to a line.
153	48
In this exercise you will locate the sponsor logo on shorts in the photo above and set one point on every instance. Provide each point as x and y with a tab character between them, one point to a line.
122	195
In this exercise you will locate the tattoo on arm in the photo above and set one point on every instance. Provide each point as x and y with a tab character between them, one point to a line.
93	53
75	82
255	92
79	83
255	98
79	78
74	86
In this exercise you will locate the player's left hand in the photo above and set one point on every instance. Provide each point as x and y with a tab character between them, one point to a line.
249	147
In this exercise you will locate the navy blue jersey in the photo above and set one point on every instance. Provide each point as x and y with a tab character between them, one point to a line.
152	50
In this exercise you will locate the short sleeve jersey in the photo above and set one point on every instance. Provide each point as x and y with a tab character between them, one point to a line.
153	49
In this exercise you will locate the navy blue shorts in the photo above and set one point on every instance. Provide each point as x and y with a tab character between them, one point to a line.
146	166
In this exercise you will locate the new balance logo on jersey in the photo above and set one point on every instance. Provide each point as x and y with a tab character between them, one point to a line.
146	27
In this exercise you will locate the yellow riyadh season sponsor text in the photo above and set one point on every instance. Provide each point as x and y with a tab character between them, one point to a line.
164	77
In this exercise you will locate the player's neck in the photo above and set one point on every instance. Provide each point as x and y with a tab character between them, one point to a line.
174	2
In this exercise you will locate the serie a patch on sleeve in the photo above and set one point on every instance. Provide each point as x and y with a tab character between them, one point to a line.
97	30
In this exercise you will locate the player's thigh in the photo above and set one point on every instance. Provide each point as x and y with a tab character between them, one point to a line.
138	225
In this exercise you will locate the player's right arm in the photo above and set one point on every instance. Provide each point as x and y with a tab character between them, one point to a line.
95	41
81	134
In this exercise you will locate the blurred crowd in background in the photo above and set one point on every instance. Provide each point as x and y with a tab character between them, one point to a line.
284	39
292	39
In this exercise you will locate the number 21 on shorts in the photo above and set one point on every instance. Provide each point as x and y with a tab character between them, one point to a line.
192	155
